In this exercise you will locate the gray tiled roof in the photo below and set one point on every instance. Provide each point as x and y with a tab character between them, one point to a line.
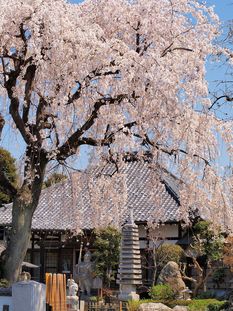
67	205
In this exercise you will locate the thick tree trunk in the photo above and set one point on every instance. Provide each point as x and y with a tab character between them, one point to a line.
19	238
24	205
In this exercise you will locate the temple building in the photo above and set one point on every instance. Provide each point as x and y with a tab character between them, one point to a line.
83	203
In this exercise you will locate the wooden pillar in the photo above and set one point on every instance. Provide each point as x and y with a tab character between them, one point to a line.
74	263
42	262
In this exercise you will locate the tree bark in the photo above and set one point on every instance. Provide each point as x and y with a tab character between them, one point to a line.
24	206
19	238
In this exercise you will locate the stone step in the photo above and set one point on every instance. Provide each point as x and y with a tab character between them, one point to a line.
131	244
128	227
125	257
132	277
132	251
126	242
130	237
131	271
129	282
130	234
130	266
132	260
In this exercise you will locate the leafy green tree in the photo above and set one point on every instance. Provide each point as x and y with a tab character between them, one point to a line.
106	254
169	252
206	249
54	179
8	175
161	253
208	241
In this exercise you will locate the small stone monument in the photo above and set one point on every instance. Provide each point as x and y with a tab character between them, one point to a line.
28	295
129	272
72	298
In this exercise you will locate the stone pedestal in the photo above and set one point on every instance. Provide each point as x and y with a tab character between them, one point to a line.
129	272
72	303
28	295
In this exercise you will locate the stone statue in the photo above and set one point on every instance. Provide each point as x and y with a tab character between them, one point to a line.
72	298
84	273
72	287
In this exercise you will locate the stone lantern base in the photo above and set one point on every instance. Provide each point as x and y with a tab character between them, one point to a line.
128	292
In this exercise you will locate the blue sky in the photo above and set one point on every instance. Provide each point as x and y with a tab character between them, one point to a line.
224	8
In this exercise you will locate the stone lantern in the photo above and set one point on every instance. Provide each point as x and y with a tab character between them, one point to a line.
130	271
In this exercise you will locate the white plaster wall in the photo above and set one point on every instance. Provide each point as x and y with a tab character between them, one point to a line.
6	300
167	231
165	242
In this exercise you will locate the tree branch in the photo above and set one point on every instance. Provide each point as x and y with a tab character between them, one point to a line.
92	75
11	83
14	109
169	49
29	77
228	98
70	146
171	152
2	123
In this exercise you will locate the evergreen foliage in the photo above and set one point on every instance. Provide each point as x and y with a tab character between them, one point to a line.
106	254
207	241
7	163
169	252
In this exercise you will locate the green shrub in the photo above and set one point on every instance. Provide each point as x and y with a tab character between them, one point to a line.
173	303
161	292
217	306
193	305
204	304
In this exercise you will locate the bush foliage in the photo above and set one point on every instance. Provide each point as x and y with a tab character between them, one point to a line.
169	252
193	305
161	292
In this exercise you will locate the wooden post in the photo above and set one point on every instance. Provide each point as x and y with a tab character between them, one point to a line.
42	261
54	292
58	295
64	286
48	278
